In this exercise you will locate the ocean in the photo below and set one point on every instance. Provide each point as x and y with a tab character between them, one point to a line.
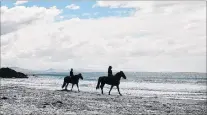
154	84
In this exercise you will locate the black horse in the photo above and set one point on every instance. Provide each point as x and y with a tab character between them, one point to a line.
113	81
73	80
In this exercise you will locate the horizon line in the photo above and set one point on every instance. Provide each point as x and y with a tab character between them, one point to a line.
114	70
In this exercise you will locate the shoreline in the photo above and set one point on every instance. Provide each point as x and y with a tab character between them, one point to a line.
22	100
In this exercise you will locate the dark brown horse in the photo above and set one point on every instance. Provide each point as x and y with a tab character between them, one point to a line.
113	81
73	80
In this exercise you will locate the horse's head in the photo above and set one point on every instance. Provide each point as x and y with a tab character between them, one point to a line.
80	76
122	74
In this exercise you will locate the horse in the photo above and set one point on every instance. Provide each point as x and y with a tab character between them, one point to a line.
113	81
73	80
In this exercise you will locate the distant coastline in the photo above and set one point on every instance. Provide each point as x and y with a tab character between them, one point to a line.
66	72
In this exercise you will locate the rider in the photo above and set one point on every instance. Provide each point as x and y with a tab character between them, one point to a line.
71	72
110	71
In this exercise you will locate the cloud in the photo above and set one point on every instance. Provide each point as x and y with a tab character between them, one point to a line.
20	2
125	4
160	40
26	16
73	7
153	6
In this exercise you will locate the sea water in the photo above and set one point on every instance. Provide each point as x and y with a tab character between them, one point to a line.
154	84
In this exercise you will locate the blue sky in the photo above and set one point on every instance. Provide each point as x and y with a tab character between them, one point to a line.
85	11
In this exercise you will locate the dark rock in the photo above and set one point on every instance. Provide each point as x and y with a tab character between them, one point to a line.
59	102
4	98
10	73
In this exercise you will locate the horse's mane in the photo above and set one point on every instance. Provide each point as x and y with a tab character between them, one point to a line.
77	74
117	73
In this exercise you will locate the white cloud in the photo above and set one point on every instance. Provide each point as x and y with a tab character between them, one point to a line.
153	6
160	40
20	2
73	7
26	16
146	5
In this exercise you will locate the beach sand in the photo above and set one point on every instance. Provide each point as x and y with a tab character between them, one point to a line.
22	100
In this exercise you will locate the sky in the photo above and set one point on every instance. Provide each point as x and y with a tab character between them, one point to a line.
153	36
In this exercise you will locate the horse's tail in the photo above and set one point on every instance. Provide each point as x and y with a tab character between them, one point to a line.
64	83
98	84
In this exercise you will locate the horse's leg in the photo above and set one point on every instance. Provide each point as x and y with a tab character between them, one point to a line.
78	87
118	90
102	85
110	89
66	87
72	87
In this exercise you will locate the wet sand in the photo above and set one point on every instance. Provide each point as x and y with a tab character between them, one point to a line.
22	100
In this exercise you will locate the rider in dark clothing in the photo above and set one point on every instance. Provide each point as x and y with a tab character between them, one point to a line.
110	72
71	72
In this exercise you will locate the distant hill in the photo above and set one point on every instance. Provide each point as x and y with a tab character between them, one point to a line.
49	71
10	73
52	71
41	72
